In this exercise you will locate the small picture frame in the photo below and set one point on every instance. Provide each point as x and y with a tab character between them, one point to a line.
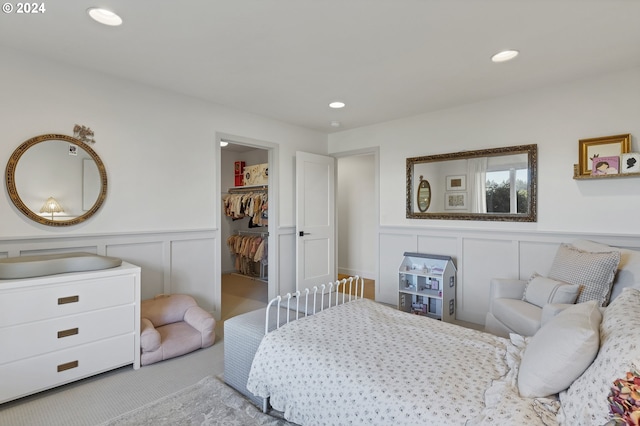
455	200
630	162
607	146
605	165
457	183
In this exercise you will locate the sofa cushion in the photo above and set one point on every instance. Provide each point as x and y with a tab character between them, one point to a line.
541	291
178	338
166	309
585	402
520	316
628	269
560	351
592	271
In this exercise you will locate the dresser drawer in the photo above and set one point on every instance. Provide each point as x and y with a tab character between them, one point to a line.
35	374
37	338
37	303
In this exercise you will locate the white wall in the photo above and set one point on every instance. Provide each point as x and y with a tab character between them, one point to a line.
357	221
555	119
158	147
159	151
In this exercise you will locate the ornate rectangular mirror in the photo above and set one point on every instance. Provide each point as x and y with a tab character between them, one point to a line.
497	184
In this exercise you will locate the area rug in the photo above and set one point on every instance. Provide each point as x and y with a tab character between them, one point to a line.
208	402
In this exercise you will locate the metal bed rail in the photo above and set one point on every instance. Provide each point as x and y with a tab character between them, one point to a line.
355	291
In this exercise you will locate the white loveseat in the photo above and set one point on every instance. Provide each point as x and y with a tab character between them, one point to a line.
510	313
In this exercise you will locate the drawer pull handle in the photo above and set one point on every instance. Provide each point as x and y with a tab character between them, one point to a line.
67	366
67	333
70	299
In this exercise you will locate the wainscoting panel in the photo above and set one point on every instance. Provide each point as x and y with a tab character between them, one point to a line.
536	256
479	255
149	257
171	262
287	266
442	245
392	247
193	270
481	260
36	252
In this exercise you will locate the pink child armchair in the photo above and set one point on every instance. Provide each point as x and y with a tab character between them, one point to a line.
173	325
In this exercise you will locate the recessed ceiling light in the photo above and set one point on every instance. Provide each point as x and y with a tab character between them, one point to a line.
335	123
104	16
505	55
337	104
223	143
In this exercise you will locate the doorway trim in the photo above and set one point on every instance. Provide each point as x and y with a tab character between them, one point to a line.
273	193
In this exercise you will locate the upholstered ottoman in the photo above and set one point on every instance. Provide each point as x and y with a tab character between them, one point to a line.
173	325
242	336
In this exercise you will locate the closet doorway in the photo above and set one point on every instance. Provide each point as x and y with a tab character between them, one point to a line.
244	227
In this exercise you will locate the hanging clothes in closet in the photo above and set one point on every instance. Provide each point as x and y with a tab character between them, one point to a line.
252	205
251	254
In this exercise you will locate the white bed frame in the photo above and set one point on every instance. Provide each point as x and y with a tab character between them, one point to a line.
324	289
243	333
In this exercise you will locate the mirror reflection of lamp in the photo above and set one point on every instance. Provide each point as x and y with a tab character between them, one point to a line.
51	206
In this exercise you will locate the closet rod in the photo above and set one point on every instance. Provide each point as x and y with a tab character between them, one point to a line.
243	189
261	233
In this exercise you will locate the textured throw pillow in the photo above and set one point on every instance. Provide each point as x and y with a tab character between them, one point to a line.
560	351
541	290
593	272
585	402
628	269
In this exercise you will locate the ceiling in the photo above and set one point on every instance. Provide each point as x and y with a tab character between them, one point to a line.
287	59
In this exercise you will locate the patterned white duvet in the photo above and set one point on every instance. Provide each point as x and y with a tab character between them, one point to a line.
365	363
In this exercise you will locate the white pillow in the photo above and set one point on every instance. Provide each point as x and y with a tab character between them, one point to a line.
560	351
585	402
541	290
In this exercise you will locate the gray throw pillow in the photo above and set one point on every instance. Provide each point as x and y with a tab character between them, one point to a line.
593	272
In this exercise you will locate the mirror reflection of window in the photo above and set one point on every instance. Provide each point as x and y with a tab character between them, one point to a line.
506	187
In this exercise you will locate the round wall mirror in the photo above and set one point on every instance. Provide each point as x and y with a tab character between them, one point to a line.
424	195
56	180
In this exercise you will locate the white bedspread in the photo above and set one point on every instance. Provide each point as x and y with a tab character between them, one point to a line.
365	363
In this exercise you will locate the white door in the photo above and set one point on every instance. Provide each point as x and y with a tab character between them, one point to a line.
315	220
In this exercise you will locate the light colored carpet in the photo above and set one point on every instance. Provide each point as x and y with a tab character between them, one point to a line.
208	402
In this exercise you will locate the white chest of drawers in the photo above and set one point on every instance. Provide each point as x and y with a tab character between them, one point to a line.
61	328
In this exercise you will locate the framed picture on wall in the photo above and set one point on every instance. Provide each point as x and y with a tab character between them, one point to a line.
630	162
455	200
608	146
457	183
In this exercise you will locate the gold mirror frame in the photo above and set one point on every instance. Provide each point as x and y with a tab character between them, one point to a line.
21	206
532	164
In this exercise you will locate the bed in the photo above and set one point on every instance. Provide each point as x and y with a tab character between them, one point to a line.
366	363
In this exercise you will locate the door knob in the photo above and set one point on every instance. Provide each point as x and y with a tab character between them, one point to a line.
302	233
